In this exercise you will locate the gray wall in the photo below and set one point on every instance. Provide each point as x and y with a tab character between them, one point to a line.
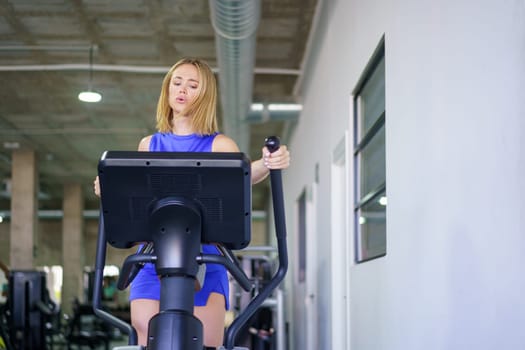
455	119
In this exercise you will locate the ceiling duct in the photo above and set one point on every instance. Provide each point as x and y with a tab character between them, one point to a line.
235	23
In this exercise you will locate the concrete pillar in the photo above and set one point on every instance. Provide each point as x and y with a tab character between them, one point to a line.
72	246
24	205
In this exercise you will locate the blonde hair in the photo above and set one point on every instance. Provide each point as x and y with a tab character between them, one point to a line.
203	109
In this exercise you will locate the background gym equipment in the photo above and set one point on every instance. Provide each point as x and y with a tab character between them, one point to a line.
29	310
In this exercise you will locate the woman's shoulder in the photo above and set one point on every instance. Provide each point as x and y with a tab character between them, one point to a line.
223	143
144	143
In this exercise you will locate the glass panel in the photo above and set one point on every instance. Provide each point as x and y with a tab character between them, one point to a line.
372	170
371	100
372	224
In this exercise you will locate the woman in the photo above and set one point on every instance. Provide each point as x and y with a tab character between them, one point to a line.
187	122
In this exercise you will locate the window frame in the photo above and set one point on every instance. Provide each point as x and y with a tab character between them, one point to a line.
361	200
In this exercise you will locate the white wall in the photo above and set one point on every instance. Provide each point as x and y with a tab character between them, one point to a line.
455	119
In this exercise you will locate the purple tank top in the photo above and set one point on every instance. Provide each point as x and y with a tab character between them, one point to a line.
168	142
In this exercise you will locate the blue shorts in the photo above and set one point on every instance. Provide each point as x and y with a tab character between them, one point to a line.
146	284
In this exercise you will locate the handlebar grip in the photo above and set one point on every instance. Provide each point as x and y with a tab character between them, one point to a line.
272	143
125	279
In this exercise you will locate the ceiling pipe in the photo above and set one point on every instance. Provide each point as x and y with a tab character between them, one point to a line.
265	116
235	23
124	68
260	113
48	47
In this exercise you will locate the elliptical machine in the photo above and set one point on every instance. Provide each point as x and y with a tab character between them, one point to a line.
174	202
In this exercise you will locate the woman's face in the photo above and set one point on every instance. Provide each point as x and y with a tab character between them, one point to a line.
184	87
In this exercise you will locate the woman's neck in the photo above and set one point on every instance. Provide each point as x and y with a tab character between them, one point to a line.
182	125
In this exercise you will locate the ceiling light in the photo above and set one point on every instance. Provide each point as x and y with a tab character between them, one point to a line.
285	107
11	145
90	95
382	200
257	107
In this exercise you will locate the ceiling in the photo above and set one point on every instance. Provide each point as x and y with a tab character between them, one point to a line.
45	62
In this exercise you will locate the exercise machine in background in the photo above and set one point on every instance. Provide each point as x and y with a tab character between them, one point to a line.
178	201
266	329
29	311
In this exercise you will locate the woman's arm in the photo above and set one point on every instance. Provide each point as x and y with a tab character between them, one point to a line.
280	159
143	146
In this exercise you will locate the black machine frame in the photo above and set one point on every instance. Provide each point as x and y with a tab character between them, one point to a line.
178	202
30	307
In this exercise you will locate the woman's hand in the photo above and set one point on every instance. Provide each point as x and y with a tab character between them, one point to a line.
96	187
279	159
